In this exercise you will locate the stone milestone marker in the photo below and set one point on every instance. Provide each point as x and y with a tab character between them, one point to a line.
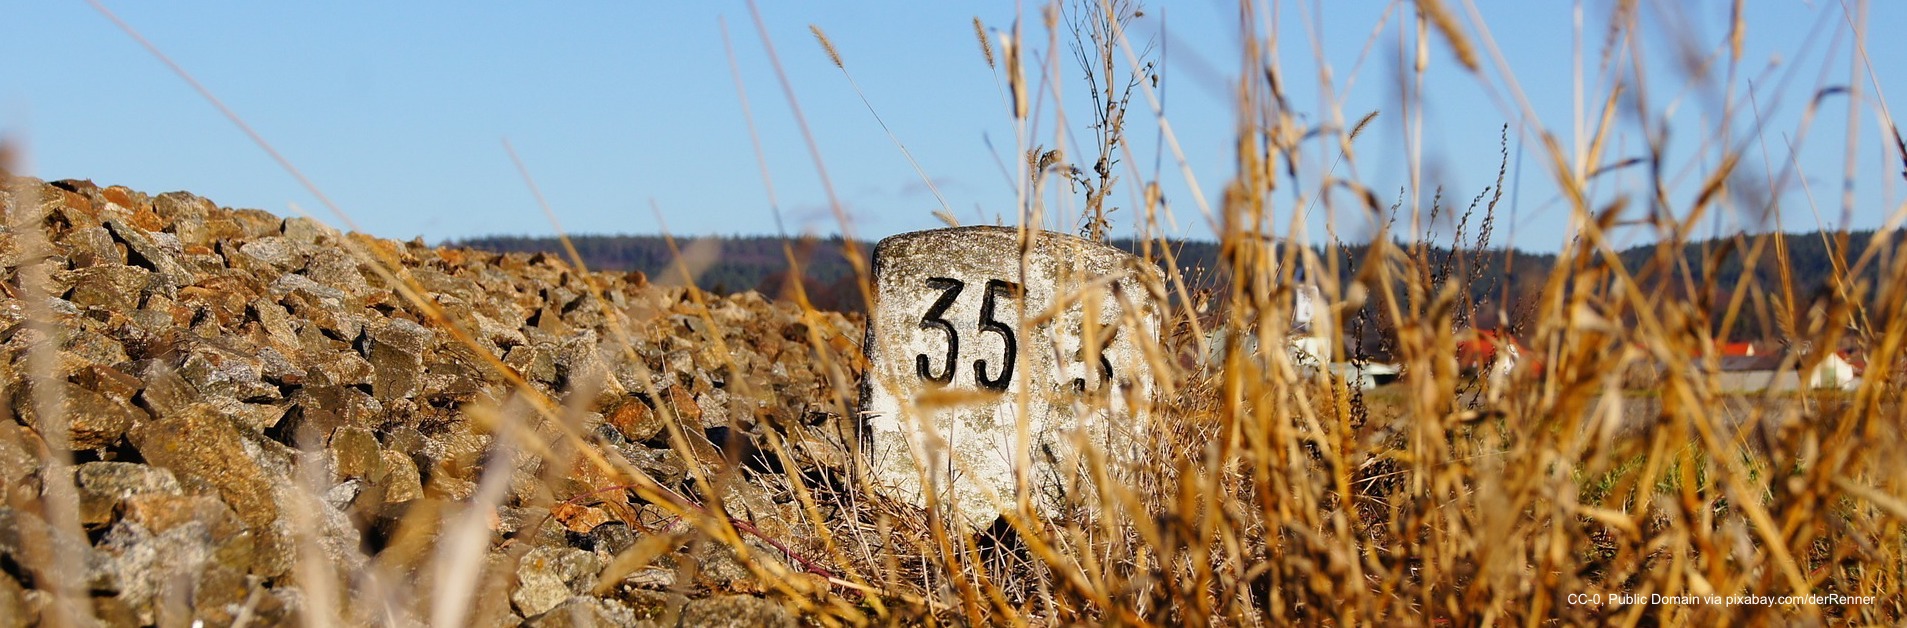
987	366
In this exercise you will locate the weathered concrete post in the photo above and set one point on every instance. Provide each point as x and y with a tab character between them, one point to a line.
994	352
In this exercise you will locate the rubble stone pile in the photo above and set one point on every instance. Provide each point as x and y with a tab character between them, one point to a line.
239	390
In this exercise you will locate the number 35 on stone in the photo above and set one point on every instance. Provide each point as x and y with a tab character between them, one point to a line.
978	332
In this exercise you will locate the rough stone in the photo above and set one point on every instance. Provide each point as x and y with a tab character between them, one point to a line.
93	420
14	609
176	205
587	612
104	486
397	357
111	287
91	347
536	363
257	223
662	607
201	443
305	231
549	575
291	284
719	569
165	392
227	373
662	465
736	611
337	269
272	251
610	539
158	252
357	453
633	419
233	544
150	568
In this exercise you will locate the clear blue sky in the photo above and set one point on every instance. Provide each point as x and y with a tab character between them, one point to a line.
398	110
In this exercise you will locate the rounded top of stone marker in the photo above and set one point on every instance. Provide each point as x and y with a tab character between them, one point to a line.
988	230
1042	238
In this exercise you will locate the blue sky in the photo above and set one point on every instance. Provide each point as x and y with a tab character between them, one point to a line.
627	114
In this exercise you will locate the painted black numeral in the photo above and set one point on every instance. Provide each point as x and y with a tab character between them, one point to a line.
950	290
1105	364
988	324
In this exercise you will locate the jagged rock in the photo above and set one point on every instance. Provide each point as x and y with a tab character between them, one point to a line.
18	461
151	568
536	363
233	544
587	612
14	610
662	607
272	251
226	373
719	569
257	223
174	206
26	539
93	420
344	368
401	483
305	231
664	466
220	592
610	539
158	252
397	357
549	575
104	486
633	419
736	611
357	453
199	442
335	268
110	287
84	346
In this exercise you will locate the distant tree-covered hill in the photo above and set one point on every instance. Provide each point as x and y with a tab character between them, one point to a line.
740	263
1493	276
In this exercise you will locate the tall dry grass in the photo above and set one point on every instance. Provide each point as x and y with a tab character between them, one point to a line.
1275	495
1466	496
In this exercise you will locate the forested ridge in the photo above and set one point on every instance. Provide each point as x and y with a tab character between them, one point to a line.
760	263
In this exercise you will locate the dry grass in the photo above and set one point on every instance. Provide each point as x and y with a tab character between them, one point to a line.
1273	496
1278	497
